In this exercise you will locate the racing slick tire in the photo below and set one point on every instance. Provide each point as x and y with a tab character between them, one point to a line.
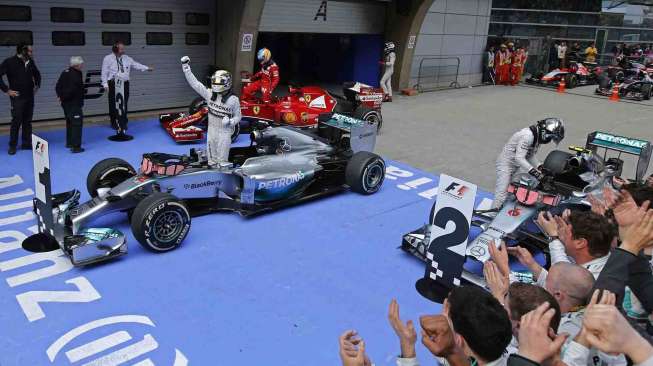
646	91
160	222
571	81
557	161
369	115
365	172
197	104
108	173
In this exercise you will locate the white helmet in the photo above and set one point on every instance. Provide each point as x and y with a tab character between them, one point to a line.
389	47
221	81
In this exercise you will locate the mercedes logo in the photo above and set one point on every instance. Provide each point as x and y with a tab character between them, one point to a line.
477	251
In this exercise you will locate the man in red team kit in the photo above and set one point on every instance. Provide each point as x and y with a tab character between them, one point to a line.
266	79
502	65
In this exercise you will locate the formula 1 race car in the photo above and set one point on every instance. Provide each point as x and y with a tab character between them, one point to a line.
572	176
638	86
575	75
283	166
300	108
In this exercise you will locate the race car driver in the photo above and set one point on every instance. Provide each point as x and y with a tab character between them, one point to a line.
266	79
389	57
224	112
518	155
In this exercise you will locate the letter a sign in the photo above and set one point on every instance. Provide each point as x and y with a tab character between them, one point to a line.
322	11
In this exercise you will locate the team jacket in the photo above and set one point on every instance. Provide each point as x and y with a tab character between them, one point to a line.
269	74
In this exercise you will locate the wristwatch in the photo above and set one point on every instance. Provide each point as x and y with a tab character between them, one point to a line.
553	237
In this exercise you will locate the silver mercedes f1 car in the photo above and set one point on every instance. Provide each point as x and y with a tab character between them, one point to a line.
282	166
572	176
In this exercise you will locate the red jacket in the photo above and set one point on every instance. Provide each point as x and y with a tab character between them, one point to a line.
269	74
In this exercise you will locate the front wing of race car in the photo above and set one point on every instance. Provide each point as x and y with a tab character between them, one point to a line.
183	127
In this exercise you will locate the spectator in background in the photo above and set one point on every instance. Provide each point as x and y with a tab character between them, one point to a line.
590	53
70	91
554	63
562	54
24	81
488	66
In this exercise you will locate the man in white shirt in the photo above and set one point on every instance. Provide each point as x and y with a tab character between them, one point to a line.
116	66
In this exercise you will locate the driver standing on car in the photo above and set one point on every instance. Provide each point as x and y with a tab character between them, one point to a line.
518	155
266	79
224	112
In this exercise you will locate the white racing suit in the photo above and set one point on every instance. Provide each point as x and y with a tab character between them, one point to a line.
224	114
386	79
517	157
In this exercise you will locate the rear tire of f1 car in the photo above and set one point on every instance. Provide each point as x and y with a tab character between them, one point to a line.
160	222
369	115
365	172
199	103
108	173
557	161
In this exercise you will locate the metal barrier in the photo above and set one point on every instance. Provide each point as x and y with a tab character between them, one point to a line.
434	77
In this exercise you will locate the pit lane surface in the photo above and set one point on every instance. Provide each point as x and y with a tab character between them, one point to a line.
276	289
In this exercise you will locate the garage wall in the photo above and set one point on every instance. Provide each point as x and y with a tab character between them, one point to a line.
163	88
299	16
456	28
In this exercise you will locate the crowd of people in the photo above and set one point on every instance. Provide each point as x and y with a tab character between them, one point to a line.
592	307
504	66
24	81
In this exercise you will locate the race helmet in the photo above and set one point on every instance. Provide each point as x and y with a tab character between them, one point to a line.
263	55
550	129
221	81
389	47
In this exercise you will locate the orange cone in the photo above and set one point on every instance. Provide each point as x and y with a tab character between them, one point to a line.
561	86
615	93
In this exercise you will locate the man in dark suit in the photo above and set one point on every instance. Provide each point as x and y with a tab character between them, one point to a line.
24	80
70	91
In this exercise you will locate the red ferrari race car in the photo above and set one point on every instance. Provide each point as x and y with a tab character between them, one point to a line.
576	74
300	108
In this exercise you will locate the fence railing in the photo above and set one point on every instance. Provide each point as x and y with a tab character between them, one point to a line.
438	73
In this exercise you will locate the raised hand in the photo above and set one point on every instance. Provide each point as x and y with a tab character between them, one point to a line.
352	350
639	235
497	282
437	335
499	256
405	331
547	223
535	341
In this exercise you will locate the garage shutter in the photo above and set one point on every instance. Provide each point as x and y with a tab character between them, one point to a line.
301	16
143	23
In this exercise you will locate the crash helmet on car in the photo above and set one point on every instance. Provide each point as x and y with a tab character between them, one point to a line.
389	47
263	55
221	81
550	129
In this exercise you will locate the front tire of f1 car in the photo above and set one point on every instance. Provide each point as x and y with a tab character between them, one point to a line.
369	115
108	173
365	172
647	90
571	81
160	222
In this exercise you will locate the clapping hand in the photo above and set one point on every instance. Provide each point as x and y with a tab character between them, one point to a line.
537	342
405	331
352	350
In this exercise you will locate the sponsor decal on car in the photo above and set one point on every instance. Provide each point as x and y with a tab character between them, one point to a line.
208	183
256	109
281	182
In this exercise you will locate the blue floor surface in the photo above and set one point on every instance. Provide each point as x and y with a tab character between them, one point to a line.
276	289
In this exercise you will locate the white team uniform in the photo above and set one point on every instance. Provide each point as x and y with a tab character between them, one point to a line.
386	79
517	156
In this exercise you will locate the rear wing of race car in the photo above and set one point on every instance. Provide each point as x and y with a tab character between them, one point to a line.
336	127
641	148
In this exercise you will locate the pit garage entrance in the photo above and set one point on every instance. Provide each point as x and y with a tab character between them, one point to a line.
324	42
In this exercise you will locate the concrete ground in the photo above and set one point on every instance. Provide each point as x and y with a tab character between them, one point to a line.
460	132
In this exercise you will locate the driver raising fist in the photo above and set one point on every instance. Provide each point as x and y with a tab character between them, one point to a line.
266	79
224	112
518	155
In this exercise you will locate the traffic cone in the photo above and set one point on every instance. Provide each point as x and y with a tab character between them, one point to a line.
561	86
615	93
